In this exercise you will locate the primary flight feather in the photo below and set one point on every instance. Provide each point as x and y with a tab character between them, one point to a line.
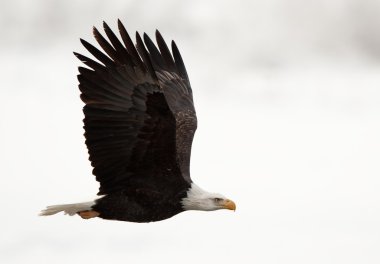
139	126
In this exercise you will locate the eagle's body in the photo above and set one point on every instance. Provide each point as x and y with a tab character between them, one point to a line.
139	125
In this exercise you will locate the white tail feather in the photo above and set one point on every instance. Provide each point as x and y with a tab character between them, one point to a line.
70	209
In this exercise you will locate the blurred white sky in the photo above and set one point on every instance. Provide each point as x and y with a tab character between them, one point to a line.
288	102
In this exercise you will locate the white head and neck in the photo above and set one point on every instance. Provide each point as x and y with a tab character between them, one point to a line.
199	199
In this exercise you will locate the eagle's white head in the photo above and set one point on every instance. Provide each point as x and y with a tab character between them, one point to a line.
199	199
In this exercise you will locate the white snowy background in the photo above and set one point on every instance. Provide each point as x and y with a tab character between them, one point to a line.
288	101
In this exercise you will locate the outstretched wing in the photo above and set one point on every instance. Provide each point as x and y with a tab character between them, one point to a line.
134	117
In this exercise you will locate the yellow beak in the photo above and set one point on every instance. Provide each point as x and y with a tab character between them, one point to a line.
230	205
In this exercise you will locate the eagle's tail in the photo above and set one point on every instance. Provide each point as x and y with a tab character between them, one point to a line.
70	209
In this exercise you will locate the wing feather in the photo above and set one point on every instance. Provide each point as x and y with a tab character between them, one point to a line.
145	55
97	53
154	53
165	52
106	46
120	50
179	63
130	46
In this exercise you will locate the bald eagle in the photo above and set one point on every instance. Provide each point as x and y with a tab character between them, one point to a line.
139	126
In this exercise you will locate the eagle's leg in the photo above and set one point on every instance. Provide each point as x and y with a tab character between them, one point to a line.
88	214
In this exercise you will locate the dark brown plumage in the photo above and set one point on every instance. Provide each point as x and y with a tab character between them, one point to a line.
139	118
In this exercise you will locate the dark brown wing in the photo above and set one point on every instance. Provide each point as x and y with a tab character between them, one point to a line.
132	125
173	79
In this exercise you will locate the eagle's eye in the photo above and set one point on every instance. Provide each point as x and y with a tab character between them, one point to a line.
217	200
